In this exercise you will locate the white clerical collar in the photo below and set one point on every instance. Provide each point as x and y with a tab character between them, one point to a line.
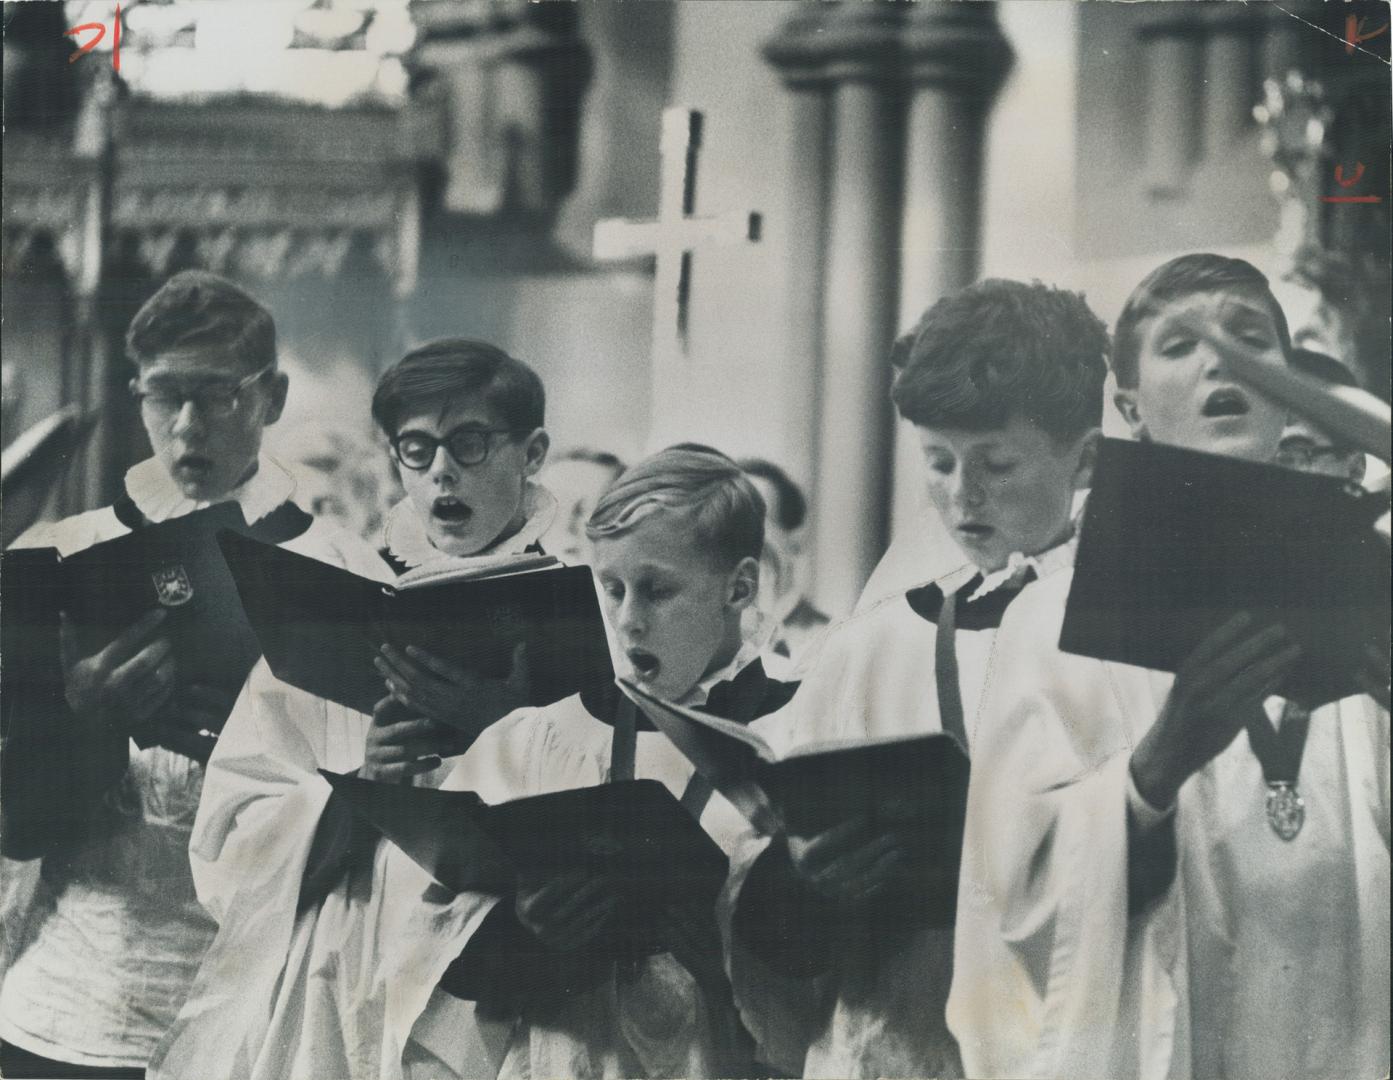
746	655
405	536
158	497
1059	557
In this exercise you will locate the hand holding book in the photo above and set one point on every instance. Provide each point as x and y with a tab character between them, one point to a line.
569	911
450	693
124	684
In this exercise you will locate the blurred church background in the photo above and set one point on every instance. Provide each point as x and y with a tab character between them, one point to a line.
381	172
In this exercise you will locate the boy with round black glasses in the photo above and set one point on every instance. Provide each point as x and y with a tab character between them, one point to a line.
288	987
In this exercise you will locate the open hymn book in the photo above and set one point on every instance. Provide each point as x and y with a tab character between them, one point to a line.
632	830
916	779
320	627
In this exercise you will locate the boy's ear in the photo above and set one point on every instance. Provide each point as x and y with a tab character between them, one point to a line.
744	583
280	386
1125	401
536	447
1088	458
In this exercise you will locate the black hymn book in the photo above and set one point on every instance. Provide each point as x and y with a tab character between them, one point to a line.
175	565
633	830
320	626
1175	542
917	782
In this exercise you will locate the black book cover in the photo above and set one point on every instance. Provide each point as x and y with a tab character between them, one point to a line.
175	565
633	830
321	626
31	676
1174	542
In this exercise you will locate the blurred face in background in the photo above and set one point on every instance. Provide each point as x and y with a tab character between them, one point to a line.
780	563
577	486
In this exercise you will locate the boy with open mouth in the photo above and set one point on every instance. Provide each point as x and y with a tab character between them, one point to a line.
837	970
295	886
676	540
1122	885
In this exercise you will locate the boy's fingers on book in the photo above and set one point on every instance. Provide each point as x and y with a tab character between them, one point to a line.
130	640
443	668
1239	655
154	662
1218	639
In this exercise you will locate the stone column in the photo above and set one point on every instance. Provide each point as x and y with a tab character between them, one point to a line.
795	52
1174	40
1231	83
957	60
857	53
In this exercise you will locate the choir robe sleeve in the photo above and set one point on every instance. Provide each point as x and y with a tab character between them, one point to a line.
655	1023
1051	975
283	990
872	1004
428	1030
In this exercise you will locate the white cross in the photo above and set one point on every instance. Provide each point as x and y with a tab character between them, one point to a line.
672	239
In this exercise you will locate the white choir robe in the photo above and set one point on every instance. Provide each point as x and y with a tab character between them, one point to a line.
133	886
285	992
1218	976
658	1024
1288	941
874	677
1050	977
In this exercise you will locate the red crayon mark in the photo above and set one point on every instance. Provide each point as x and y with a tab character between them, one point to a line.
1340	179
100	28
1340	174
1354	32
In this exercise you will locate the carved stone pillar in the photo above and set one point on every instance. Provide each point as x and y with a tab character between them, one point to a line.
1174	42
904	96
958	58
1230	74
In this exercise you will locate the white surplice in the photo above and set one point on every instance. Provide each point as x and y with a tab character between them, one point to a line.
1288	940
119	933
1050	977
284	992
875	676
1265	958
655	1024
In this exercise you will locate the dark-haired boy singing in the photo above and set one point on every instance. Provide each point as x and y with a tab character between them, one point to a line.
1129	885
113	956
1003	384
288	987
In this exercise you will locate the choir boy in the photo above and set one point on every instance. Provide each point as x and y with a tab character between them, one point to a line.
834	977
113	948
677	541
296	889
1134	902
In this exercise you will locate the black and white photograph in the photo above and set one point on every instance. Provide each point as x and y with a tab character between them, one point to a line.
607	539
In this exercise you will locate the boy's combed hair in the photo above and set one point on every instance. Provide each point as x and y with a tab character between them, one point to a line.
198	310
726	510
437	376
792	510
998	349
1182	277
